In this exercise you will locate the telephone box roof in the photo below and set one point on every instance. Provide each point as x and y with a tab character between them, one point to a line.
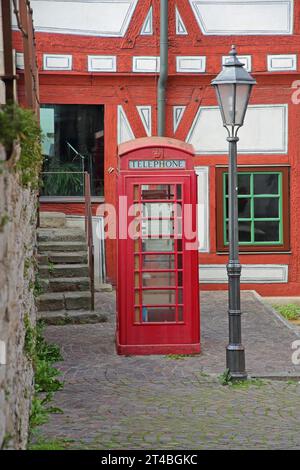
151	142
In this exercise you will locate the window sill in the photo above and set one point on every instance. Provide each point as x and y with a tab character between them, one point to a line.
241	253
68	199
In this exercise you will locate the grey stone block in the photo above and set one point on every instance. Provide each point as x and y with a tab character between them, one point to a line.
52	219
50	301
69	284
77	300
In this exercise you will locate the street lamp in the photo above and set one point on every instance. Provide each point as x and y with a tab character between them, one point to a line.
233	88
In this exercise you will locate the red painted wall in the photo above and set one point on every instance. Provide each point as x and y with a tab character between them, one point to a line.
192	90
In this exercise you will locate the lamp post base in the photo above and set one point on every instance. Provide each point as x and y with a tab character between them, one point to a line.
235	360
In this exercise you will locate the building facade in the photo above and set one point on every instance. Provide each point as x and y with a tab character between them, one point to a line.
98	73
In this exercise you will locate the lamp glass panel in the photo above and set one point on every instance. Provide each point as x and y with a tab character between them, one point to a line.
242	99
226	99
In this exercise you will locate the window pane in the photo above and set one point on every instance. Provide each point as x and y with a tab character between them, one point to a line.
266	208
244	232
157	297
244	208
73	142
159	314
266	231
159	279
244	184
266	184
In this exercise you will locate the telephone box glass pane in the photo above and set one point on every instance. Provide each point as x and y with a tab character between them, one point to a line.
158	297
159	279
158	245
158	210
157	191
158	314
159	261
155	228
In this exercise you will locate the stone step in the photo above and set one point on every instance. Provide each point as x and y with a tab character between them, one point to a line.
60	257
60	246
66	317
64	301
61	235
50	271
69	284
52	219
57	257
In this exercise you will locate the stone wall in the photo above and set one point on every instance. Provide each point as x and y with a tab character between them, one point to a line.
17	245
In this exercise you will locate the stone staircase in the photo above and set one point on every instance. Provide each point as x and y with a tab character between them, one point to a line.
63	273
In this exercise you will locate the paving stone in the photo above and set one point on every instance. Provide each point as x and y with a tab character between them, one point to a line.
147	402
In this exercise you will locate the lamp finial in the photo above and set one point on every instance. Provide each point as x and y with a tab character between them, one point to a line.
233	51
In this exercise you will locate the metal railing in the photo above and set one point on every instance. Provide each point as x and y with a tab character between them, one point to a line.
88	222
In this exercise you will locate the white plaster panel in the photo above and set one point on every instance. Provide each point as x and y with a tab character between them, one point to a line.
125	132
251	273
265	131
147	28
278	63
90	17
245	59
145	113
102	63
57	62
180	26
178	112
145	64
202	173
190	64
244	17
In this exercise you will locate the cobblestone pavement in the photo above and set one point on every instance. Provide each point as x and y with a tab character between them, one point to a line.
157	402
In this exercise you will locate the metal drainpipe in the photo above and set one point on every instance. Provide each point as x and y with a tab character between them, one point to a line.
163	76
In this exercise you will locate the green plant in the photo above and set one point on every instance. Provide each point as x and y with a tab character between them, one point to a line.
178	357
6	440
289	311
247	383
19	124
225	378
55	444
37	286
63	179
50	267
46	377
4	219
27	265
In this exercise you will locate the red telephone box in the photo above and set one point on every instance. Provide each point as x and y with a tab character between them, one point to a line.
158	286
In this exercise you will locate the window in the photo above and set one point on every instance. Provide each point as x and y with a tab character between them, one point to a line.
73	142
262	205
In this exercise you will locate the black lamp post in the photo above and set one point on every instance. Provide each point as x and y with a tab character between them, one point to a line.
233	88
